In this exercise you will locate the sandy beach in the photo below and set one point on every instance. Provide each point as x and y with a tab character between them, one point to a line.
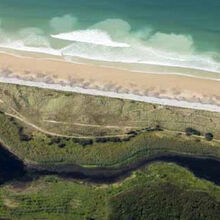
87	76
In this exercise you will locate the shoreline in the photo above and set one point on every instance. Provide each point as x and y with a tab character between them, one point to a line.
152	68
158	88
159	69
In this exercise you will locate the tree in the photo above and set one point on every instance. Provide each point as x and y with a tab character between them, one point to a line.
209	136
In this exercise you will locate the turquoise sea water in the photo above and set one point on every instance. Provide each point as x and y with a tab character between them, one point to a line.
167	32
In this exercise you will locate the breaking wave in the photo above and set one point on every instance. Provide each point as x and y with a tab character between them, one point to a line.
112	40
97	37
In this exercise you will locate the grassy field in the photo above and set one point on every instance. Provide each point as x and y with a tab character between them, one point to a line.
85	115
49	127
160	191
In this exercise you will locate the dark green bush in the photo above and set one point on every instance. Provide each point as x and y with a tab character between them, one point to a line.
158	128
209	136
163	201
192	131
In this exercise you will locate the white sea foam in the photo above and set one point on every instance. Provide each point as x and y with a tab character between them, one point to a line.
19	46
139	55
96	37
117	28
175	43
102	42
63	24
161	101
28	39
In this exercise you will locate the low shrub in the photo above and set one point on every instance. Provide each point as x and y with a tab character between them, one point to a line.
209	136
192	131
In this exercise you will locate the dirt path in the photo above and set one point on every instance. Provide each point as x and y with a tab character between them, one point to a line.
92	125
20	117
24	120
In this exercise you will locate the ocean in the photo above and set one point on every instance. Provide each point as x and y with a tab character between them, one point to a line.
135	32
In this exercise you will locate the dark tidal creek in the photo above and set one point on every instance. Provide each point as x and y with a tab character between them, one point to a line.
12	168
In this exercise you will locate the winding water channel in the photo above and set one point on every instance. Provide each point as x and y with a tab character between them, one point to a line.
11	168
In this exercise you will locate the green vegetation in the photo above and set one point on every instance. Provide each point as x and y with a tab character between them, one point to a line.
50	127
163	201
170	192
209	136
53	128
37	147
160	191
85	115
192	131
